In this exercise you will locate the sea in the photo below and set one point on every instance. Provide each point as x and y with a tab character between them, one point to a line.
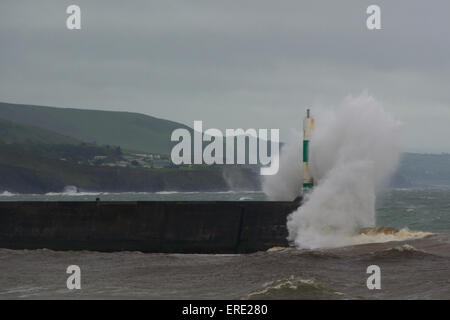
413	263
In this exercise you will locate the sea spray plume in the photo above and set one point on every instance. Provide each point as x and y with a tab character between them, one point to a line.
358	130
354	150
286	185
340	204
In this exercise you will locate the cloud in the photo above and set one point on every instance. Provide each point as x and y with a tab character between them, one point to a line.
252	63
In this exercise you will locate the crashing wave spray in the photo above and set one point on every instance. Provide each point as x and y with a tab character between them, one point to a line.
353	151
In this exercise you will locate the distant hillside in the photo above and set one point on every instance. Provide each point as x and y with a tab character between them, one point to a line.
22	171
11	132
131	131
425	169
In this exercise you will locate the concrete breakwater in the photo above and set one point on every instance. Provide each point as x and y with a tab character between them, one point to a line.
147	226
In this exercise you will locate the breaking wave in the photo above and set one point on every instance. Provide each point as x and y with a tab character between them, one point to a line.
294	288
167	192
400	252
387	234
6	194
354	150
73	191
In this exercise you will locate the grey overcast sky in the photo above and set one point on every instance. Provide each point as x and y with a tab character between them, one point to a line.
246	63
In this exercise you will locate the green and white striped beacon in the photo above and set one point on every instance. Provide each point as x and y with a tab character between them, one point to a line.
308	127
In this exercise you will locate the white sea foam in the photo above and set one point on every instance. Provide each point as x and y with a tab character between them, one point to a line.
78	194
73	191
6	194
167	192
294	288
378	237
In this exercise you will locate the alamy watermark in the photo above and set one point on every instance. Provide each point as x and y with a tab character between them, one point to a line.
237	151
74	280
373	21
374	280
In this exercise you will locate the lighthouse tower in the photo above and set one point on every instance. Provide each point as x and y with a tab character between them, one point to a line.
308	127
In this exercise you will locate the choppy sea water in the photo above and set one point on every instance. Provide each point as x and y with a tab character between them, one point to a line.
410	269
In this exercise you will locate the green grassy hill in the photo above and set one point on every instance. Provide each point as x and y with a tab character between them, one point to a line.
22	171
131	131
11	132
425	169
